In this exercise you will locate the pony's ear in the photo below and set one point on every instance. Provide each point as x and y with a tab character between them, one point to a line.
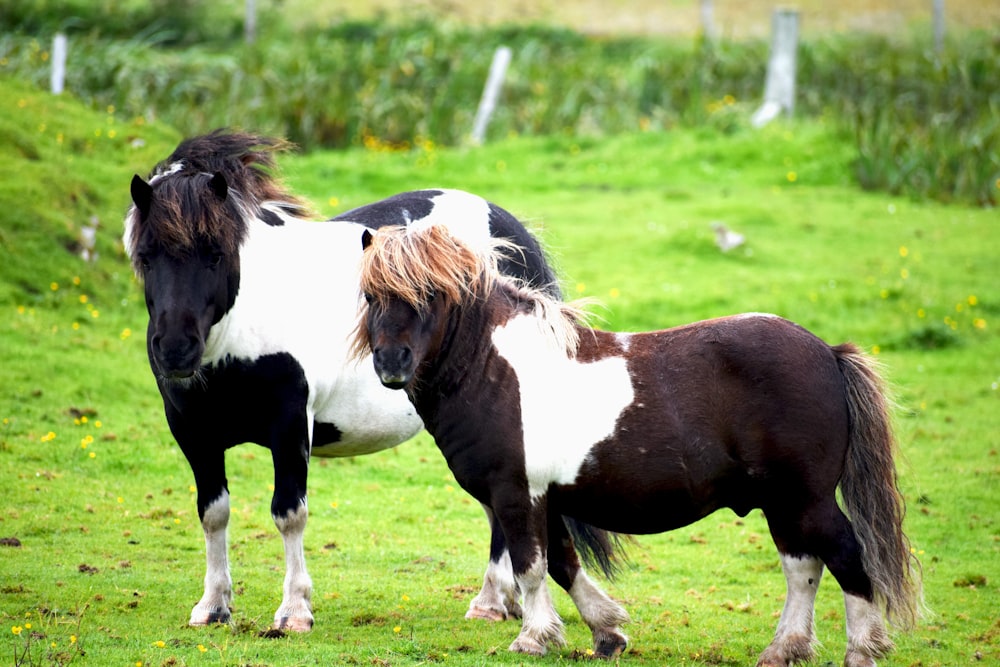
142	195
366	239
219	186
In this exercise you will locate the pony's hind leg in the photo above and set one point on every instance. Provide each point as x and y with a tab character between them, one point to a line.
214	606
601	614
867	638
822	533
498	599
794	639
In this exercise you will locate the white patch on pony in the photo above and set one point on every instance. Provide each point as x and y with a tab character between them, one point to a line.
803	577
867	638
218	584
541	624
130	219
795	638
497	600
279	310
464	214
751	316
596	607
170	170
567	406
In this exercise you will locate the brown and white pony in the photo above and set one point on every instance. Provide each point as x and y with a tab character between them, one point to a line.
540	416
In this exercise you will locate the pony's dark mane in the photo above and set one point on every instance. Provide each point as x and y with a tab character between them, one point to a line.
186	211
416	264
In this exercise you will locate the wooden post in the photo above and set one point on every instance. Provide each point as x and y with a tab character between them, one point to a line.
494	82
250	22
60	47
779	89
938	25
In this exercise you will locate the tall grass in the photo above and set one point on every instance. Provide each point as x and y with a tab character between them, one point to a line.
928	122
925	124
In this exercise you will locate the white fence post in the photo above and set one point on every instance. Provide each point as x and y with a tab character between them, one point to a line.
250	22
494	82
708	21
938	25
779	89
59	50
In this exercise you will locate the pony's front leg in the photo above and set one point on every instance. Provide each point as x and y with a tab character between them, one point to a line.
601	614
215	603
498	599
541	624
527	541
209	467
290	511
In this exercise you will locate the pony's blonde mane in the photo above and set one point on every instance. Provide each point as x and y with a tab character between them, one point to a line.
418	264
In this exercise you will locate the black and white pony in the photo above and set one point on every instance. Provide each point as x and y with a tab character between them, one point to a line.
251	304
540	417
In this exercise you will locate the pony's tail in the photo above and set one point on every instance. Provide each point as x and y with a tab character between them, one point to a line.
871	494
598	549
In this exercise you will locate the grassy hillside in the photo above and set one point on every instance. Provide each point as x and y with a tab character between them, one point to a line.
63	167
98	496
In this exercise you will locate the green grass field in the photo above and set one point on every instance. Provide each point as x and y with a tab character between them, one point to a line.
99	497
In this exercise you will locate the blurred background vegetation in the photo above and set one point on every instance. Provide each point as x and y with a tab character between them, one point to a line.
924	122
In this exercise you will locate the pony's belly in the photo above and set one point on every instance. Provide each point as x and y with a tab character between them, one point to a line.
339	440
357	415
651	514
341	449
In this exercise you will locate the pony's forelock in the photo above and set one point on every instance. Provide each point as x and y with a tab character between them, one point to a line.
185	212
420	264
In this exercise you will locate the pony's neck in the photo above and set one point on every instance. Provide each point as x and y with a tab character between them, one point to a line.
466	356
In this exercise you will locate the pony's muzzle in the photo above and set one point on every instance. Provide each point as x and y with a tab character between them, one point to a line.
394	366
176	357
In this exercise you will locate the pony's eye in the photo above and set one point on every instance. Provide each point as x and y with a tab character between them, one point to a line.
431	295
369	298
144	262
215	259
